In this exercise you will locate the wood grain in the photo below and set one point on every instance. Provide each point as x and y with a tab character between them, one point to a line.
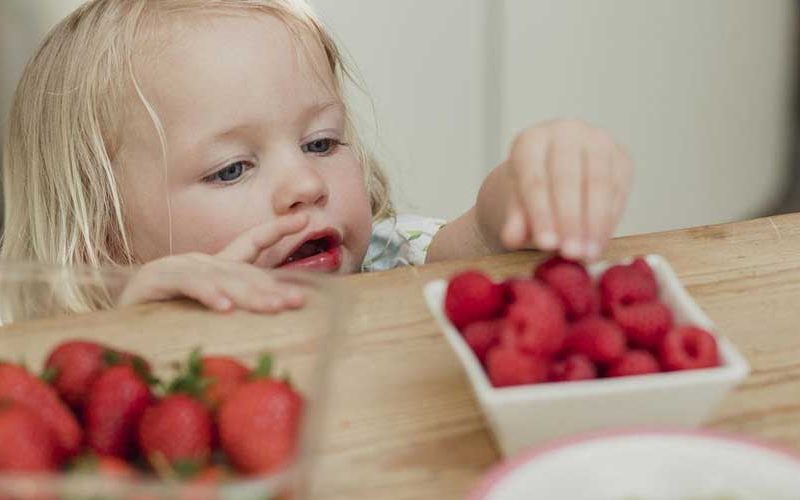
402	422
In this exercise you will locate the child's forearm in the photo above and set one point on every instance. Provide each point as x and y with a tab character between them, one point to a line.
477	232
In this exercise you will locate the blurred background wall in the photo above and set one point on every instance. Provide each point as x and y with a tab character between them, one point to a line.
701	91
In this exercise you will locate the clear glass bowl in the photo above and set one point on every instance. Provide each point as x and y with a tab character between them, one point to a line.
302	343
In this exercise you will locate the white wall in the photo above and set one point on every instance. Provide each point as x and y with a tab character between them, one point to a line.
423	64
699	90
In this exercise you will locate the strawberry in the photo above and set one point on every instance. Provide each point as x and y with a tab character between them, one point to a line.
176	429
16	384
110	467
482	336
28	443
573	285
688	348
74	365
600	339
114	407
508	366
644	323
212	474
210	378
259	425
637	362
224	374
472	296
627	284
573	367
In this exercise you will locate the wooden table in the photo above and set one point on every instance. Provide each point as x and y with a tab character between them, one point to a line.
402	423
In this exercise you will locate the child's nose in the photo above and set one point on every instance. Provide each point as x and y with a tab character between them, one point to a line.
302	186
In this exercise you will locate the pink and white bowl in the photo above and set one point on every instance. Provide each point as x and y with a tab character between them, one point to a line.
647	464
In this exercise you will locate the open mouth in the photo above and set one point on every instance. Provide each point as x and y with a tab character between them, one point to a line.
322	253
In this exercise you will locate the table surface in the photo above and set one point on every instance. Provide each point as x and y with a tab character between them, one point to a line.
402	422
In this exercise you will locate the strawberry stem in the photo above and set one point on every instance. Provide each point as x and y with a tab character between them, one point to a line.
264	367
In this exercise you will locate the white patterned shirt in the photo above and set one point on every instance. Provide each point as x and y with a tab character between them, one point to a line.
402	240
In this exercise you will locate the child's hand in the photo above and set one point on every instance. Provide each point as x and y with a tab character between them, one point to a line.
224	281
569	185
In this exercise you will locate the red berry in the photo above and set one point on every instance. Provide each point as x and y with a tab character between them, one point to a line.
75	365
106	466
531	291
572	283
16	384
508	366
176	429
259	425
482	336
225	374
28	443
627	284
644	323
641	265
472	296
600	339
116	403
540	329
634	363
687	348
573	367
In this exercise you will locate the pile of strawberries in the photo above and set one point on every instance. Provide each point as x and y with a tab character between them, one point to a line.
99	410
559	325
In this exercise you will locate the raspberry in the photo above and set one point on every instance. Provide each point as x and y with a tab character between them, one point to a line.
471	297
573	367
645	323
625	285
509	366
687	348
482	336
540	327
634	363
641	264
531	291
600	339
572	283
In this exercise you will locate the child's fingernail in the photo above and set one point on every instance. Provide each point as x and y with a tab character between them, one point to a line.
572	248
224	303
548	240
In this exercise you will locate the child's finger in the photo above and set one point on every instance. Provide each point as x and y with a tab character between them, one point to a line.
565	168
255	290
622	175
251	243
599	192
157	286
529	162
515	233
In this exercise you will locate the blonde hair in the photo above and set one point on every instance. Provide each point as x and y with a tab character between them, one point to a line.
63	205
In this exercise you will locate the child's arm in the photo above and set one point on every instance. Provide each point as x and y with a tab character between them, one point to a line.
224	281
563	187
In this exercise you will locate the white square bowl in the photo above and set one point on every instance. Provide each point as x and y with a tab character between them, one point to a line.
522	416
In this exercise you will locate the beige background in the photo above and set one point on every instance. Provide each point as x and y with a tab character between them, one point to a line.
698	89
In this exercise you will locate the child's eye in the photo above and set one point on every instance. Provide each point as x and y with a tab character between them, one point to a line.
322	146
229	174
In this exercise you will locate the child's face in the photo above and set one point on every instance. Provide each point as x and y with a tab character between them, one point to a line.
252	134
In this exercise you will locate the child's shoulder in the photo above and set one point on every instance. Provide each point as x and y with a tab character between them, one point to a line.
401	240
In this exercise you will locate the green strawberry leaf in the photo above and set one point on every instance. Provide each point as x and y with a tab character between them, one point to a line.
49	374
187	468
264	367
